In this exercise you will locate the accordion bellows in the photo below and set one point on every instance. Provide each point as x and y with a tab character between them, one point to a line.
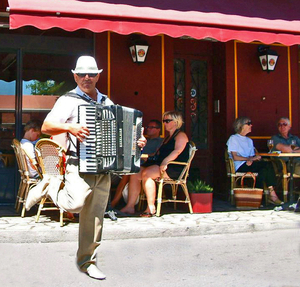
247	197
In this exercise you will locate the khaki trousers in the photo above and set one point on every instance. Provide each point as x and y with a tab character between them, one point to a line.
91	219
87	194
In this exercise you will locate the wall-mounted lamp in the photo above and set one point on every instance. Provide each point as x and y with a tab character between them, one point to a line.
267	57
138	49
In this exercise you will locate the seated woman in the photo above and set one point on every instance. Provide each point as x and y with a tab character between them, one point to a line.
241	149
153	143
174	147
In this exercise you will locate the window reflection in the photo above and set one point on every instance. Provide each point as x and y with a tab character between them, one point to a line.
7	100
46	77
8	74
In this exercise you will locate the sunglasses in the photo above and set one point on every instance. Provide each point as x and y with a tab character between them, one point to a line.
167	121
152	127
248	123
282	124
90	75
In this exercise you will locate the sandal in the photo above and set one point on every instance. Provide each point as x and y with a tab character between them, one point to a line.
276	201
273	198
147	214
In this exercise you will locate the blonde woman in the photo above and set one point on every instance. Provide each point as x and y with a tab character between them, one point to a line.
174	147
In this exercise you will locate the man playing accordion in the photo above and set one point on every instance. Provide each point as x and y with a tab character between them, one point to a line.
86	194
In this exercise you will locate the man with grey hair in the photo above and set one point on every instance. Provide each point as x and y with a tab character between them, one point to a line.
284	141
86	194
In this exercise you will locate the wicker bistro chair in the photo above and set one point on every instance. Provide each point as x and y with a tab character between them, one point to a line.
51	158
234	176
175	183
280	167
26	182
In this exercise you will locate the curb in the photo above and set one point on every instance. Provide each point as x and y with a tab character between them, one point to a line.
25	230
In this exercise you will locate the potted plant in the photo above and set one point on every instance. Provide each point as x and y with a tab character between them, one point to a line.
201	195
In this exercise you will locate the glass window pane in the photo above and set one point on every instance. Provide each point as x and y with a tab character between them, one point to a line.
191	98
46	77
7	126
199	103
179	82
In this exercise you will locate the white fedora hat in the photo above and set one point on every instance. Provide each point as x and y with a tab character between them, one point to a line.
86	64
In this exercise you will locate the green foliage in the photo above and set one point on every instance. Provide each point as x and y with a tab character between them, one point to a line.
199	186
44	88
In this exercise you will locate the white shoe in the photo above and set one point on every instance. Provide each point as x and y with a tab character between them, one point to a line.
95	273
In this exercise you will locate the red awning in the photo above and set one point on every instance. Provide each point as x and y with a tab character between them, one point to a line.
268	21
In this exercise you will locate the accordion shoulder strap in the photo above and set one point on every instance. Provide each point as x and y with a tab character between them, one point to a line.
86	98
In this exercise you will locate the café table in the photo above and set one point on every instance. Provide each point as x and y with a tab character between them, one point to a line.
291	157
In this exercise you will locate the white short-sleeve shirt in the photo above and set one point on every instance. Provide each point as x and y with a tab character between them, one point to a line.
242	145
65	110
28	146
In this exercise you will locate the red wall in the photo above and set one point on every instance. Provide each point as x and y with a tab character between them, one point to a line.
134	85
254	85
230	88
140	86
262	96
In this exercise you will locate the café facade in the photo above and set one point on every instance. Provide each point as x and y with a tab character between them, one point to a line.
199	57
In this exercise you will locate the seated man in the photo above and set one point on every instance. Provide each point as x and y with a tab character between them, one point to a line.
153	143
32	133
153	139
284	139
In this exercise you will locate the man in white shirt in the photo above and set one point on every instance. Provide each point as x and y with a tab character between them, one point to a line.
86	194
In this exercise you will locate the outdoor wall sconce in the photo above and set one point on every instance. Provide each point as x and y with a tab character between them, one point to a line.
267	57
138	49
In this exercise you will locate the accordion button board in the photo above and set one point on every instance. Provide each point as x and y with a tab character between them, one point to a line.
112	143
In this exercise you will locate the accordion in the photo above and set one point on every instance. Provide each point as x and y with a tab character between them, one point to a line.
112	143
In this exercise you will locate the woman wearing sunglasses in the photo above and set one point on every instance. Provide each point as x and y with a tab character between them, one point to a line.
241	149
174	147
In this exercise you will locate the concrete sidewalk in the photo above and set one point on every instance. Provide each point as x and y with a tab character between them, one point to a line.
14	229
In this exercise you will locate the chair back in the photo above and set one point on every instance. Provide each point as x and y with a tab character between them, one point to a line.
51	157
185	172
230	169
26	182
175	183
21	159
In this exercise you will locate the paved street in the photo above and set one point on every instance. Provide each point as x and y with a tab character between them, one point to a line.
229	248
244	259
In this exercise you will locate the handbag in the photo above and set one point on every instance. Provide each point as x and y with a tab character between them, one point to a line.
247	197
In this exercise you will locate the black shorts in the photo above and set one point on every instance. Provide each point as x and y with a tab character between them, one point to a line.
173	170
